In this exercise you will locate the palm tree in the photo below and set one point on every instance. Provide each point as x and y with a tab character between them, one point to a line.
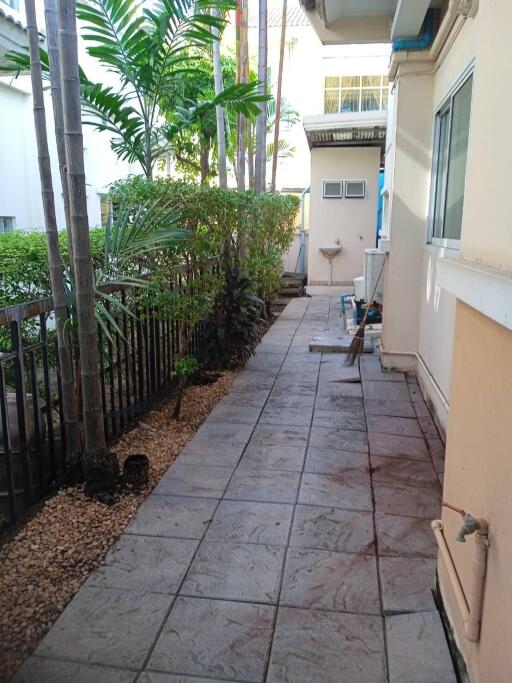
83	272
219	110
260	156
54	257
147	50
278	99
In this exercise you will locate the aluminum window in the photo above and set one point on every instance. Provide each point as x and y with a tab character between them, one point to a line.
332	189
355	93
355	189
449	166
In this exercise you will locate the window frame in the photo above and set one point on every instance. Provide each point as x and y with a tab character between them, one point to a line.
355	180
12	229
331	196
361	89
445	107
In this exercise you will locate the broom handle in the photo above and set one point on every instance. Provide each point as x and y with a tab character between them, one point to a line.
369	303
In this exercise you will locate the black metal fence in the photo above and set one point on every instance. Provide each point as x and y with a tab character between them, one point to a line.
136	357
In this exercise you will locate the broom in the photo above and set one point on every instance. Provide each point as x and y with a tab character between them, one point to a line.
357	344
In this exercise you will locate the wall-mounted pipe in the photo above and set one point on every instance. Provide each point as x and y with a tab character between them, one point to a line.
423	41
303	229
471	613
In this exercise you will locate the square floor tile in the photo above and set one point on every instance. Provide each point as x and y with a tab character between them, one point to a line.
154	677
402	426
402	536
339	439
337	390
39	670
224	432
321	579
374	371
436	450
273	415
388	391
271	486
210	453
215	638
258	456
235	571
173	516
349	489
145	563
375	406
240	397
334	402
106	626
236	414
407	500
247	522
417	649
401	471
265	436
333	529
394	445
194	480
407	584
325	647
343	419
328	461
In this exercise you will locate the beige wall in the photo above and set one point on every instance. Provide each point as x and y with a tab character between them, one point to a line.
352	221
478	473
478	477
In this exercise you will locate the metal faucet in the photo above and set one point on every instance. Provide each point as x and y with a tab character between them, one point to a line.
469	526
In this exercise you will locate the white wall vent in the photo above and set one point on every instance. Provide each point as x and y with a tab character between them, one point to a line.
355	189
333	189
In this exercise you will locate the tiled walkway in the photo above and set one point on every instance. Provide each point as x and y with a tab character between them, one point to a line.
290	542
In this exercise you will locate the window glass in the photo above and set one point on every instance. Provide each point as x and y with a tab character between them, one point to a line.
6	224
349	100
457	157
331	101
332	82
351	81
369	81
450	156
370	100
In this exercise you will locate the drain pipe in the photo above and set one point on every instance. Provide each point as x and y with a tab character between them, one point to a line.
471	613
302	260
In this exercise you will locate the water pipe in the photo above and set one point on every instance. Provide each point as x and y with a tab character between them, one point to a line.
471	611
302	261
423	41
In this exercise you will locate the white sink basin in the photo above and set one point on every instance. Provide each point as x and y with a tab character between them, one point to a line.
330	250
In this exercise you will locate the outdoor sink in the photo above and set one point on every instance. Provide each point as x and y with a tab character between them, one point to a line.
330	250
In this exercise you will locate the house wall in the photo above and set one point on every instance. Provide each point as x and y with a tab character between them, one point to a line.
352	221
419	315
478	469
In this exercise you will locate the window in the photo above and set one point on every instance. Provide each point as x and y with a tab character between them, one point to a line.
355	93
15	4
105	209
333	189
449	164
7	224
355	189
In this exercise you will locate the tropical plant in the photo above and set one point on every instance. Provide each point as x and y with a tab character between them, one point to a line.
148	49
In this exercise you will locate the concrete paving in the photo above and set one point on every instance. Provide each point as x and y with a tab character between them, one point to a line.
289	542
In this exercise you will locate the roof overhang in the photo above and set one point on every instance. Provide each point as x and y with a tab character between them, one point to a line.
13	34
367	21
361	129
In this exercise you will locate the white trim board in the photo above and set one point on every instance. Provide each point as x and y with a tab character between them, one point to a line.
485	288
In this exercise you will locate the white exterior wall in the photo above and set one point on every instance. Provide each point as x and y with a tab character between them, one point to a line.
419	315
352	221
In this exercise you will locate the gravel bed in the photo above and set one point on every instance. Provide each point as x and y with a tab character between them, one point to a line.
44	563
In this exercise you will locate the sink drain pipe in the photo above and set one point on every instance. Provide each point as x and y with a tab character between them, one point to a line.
302	260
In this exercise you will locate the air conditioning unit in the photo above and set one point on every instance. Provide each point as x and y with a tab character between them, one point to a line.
373	260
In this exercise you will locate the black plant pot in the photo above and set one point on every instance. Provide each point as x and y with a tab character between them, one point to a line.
136	470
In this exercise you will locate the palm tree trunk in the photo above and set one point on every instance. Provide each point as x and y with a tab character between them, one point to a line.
261	142
219	111
243	68
50	15
250	154
84	277
54	258
204	160
278	99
